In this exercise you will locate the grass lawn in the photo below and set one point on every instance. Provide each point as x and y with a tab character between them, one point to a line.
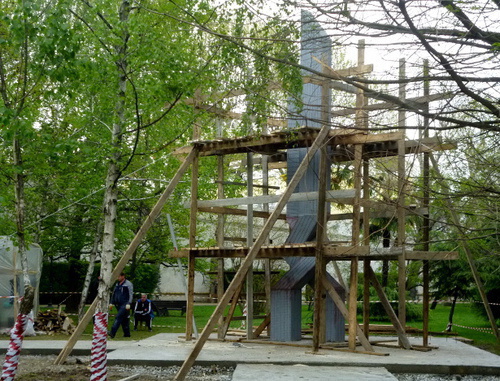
465	316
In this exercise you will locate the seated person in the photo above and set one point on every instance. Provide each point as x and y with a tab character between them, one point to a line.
143	312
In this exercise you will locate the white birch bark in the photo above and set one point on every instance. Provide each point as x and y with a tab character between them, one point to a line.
90	271
111	191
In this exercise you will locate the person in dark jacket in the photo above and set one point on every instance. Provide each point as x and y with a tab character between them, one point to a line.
143	312
122	299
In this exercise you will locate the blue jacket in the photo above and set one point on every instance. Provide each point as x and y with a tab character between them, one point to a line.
123	293
143	308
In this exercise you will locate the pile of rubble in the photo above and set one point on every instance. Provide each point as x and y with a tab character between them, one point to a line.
54	321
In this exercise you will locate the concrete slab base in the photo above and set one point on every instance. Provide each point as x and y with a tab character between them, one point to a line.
270	372
447	356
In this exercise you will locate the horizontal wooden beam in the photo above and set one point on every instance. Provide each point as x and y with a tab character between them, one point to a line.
418	255
245	184
225	114
369	138
339	252
331	251
349	72
237	212
335	85
340	196
373	148
428	145
418	102
296	250
413	255
380	210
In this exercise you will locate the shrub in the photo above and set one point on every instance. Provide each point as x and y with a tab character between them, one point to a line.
377	311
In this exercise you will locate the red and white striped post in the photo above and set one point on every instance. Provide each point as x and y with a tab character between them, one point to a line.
11	363
98	356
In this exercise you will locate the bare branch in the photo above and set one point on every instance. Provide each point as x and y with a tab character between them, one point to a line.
446	64
473	30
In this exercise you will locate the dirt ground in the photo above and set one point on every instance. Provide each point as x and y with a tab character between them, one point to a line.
77	368
42	368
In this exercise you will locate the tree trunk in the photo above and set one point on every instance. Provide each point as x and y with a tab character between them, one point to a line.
385	273
90	271
20	209
99	338
452	311
113	174
11	363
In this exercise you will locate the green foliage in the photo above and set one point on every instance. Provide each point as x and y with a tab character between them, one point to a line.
145	278
72	76
378	313
473	188
493	296
58	279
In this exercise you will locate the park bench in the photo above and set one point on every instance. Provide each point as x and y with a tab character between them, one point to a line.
162	307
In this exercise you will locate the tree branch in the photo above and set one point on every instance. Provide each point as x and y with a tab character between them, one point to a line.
486	125
91	30
473	30
446	64
3	83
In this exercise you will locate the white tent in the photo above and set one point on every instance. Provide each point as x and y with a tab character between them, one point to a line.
11	278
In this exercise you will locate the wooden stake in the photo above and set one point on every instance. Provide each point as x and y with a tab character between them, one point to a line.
356	209
190	296
353	283
232	309
426	221
220	235
366	242
249	281
403	340
265	323
401	211
343	310
320	266
192	243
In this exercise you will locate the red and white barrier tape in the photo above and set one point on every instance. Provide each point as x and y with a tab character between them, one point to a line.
59	292
419	301
16	341
98	356
485	330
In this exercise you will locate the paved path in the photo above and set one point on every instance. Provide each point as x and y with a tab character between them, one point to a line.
449	357
245	372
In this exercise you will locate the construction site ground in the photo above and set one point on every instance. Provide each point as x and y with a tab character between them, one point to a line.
253	360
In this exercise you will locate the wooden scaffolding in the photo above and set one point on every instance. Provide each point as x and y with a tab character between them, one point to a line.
335	145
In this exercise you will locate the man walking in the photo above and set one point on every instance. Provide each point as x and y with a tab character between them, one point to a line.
121	299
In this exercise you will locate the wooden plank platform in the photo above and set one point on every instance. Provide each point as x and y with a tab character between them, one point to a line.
375	145
281	140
